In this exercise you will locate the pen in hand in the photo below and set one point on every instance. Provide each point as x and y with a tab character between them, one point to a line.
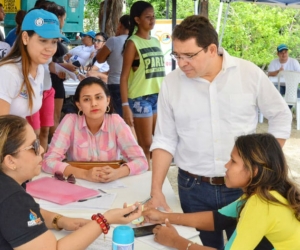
98	196
141	203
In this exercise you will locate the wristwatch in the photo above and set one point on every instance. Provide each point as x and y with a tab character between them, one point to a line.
54	222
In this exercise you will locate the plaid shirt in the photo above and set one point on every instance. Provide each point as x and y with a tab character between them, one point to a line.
73	138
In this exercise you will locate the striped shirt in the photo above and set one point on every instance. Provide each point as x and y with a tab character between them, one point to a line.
73	139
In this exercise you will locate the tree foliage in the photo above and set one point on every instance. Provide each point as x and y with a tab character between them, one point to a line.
252	31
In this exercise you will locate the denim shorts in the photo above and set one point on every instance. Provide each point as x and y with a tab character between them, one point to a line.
144	106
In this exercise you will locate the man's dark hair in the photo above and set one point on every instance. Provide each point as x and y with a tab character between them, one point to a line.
1	5
197	27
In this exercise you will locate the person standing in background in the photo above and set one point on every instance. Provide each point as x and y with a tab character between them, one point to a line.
12	35
142	74
2	16
112	53
22	73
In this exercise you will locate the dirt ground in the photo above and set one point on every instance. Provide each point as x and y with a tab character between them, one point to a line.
291	150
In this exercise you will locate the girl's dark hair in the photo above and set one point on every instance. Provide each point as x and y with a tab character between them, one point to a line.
12	135
17	54
88	82
136	10
105	36
52	7
262	154
19	19
125	21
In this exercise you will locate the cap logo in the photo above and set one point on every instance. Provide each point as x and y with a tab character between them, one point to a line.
39	21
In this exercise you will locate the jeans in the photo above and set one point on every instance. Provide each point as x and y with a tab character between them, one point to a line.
115	95
196	196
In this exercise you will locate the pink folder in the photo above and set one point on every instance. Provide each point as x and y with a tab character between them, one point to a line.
60	192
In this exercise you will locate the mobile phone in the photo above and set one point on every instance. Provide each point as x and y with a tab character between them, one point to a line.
144	231
76	63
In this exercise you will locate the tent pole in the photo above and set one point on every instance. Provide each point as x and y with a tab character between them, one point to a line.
195	7
174	17
224	24
219	17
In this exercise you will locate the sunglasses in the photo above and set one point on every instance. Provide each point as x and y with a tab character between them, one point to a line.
99	41
59	176
35	146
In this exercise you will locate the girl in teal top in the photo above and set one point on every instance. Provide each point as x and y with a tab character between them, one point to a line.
268	213
142	73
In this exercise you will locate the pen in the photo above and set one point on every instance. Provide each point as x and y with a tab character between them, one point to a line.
142	203
98	196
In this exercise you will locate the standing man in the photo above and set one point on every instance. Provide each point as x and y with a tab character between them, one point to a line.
202	107
283	62
2	16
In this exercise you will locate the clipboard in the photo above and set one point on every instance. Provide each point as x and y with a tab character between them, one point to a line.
91	164
60	192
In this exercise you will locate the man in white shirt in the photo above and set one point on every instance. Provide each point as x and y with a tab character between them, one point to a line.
283	62
202	107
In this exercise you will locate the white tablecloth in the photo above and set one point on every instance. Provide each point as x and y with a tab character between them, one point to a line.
137	189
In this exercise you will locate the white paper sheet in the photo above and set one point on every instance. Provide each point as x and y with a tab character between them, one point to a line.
69	74
104	202
103	186
185	232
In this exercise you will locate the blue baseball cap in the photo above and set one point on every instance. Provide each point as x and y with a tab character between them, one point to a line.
90	33
42	22
282	47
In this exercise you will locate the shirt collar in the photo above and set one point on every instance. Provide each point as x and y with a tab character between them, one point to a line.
82	123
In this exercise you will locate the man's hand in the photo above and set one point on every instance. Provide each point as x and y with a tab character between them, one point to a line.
158	200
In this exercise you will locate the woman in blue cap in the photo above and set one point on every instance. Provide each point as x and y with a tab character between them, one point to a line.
22	73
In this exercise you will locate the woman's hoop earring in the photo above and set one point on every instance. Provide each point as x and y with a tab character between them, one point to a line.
80	113
107	109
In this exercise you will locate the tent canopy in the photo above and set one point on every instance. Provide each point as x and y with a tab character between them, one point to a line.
280	3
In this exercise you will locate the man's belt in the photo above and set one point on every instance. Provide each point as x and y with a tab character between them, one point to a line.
210	180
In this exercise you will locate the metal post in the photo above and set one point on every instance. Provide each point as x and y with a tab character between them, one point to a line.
224	24
167	8
174	17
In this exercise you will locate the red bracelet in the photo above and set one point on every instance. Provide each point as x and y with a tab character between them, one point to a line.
99	218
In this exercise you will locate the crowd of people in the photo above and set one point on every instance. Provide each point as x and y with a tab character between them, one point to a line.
203	115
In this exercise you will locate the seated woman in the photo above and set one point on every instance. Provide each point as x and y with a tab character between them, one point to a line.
99	70
95	134
24	225
268	211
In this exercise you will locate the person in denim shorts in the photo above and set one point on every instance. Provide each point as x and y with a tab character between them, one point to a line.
142	73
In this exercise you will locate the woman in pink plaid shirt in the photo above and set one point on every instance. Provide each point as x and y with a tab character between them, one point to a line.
95	134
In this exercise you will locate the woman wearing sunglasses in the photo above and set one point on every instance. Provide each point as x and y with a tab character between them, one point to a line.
24	225
267	216
95	134
96	69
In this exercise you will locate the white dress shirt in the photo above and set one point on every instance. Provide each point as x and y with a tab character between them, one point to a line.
198	120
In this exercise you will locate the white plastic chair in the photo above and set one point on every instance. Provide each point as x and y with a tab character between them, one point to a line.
292	80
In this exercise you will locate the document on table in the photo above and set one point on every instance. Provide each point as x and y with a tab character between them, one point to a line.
103	186
104	202
185	232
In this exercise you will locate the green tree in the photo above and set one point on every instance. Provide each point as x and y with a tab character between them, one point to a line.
252	31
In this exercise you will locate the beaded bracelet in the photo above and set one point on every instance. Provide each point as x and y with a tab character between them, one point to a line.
99	218
125	104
